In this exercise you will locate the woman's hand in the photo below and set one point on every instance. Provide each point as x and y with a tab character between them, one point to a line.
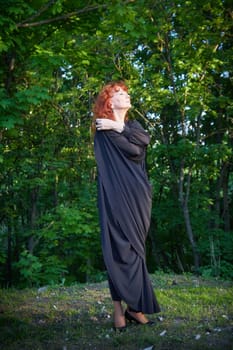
108	124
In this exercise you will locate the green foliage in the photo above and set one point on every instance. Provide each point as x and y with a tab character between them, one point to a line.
217	254
35	271
29	268
55	56
224	270
72	234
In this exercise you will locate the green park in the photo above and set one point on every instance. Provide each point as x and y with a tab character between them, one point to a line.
176	57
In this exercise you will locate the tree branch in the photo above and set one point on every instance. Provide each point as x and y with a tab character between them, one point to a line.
40	11
59	18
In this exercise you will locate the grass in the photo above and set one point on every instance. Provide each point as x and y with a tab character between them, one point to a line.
196	314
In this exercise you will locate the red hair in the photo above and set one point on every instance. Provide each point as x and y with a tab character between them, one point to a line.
102	107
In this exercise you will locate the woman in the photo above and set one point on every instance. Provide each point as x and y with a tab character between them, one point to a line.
124	202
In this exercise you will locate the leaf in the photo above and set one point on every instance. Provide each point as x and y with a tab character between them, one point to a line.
163	333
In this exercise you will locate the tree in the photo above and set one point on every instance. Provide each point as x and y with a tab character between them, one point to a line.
55	57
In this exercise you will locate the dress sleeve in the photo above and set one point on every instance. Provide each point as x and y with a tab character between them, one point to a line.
132	141
135	133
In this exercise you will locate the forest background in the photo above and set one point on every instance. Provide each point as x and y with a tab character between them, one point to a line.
177	59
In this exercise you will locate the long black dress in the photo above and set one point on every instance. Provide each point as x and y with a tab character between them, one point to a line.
124	201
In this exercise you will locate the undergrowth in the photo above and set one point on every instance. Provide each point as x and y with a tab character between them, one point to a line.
196	313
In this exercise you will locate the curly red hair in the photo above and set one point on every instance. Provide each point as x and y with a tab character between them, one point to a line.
102	107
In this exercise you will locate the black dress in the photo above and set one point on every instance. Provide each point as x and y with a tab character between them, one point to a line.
124	202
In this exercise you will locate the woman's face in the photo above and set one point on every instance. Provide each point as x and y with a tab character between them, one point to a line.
120	99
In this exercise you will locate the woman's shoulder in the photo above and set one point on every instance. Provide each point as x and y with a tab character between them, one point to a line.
133	123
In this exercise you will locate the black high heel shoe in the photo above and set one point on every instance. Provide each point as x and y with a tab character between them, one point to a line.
131	318
120	329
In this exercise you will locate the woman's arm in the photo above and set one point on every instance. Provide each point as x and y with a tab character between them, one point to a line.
132	130
135	133
131	150
108	124
131	138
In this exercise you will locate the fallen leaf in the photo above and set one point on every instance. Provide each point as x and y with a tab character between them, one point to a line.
163	333
41	321
94	318
225	316
217	329
42	289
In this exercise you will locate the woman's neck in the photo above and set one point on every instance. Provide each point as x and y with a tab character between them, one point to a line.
120	114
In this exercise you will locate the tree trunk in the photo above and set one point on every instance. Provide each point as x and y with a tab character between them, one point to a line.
31	242
191	237
179	262
185	209
55	193
9	256
225	186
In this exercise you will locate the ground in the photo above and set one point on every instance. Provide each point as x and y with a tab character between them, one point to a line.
196	313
